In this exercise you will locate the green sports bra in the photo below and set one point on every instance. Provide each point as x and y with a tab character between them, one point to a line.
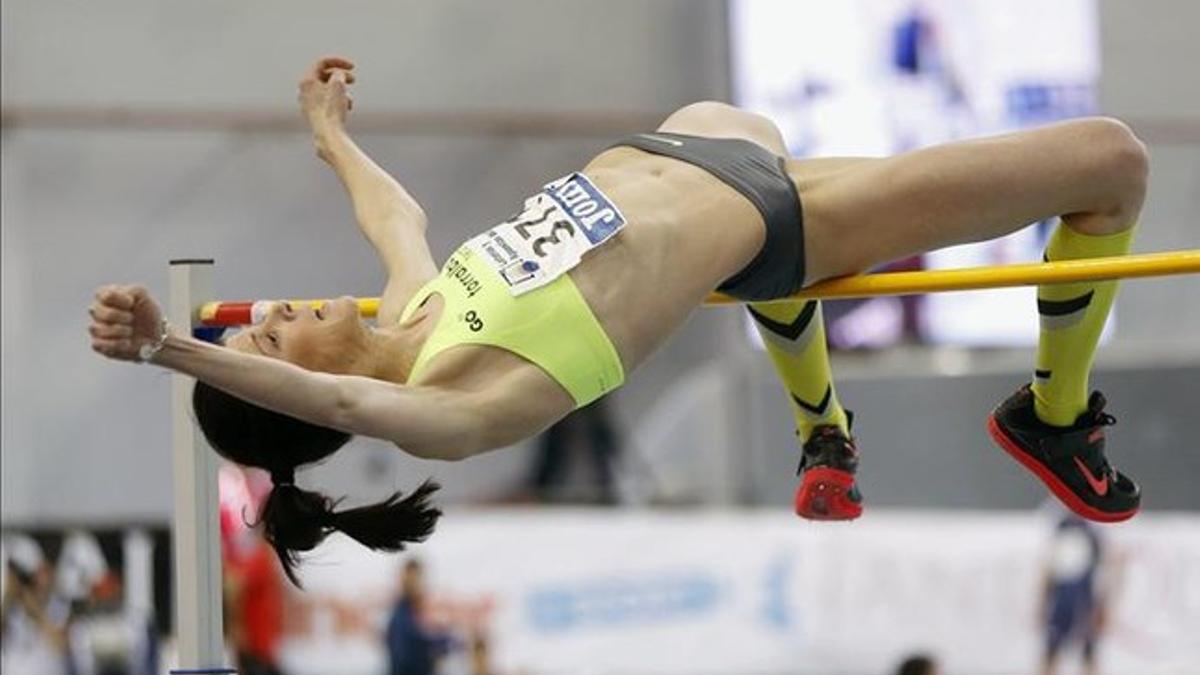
551	326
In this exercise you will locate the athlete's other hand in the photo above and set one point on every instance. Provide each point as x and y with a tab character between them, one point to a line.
123	319
324	98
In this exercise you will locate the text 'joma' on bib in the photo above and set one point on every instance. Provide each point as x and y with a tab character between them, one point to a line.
568	218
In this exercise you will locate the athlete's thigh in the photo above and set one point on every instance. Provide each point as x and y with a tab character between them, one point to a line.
875	211
712	119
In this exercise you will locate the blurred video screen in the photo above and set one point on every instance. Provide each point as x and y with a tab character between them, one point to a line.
881	77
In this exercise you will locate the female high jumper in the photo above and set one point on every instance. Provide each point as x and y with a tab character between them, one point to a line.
549	309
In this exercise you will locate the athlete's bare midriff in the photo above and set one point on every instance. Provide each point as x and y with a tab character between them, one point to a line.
685	233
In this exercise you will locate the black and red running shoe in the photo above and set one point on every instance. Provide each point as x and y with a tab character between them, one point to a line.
827	490
1069	460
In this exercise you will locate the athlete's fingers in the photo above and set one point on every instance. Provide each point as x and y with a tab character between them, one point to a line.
334	61
106	314
103	292
110	331
110	348
341	76
327	63
137	296
326	74
114	296
138	293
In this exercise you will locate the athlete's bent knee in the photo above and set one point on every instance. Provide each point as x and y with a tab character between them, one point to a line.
1122	165
707	108
1127	152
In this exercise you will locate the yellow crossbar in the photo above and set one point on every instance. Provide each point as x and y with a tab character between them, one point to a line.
223	313
1002	276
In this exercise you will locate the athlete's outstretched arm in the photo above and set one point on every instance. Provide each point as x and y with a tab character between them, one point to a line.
390	218
425	421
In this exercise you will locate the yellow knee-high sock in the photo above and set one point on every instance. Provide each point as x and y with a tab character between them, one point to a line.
1072	317
794	334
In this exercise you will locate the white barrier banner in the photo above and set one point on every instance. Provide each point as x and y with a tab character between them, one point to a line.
640	593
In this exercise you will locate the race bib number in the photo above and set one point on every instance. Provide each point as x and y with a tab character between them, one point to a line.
568	218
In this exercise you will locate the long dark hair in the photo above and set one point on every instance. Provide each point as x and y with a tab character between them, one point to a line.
293	519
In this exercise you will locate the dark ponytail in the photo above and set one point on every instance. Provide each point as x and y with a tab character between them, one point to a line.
294	519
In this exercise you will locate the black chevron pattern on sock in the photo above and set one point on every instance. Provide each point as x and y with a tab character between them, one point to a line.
1064	307
1041	374
818	409
789	331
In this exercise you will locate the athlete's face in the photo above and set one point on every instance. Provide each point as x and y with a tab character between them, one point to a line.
327	339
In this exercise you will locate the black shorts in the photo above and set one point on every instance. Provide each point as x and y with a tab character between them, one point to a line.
760	175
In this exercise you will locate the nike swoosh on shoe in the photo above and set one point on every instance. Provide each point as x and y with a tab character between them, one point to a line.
1099	485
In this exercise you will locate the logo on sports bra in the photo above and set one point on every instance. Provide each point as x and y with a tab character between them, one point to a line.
459	272
473	321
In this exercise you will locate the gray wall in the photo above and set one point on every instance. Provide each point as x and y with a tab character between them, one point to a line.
85	439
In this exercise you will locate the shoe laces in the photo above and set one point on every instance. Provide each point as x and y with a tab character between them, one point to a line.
825	440
831	433
1101	420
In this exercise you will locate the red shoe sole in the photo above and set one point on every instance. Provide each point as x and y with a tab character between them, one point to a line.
1059	488
824	494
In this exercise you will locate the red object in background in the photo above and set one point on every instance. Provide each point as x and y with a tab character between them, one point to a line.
259	603
255	582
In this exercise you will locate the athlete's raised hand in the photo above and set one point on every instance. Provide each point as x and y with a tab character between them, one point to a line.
124	318
323	96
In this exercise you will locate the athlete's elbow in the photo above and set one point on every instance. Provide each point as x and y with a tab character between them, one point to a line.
442	451
453	442
455	453
472	439
394	213
426	451
345	410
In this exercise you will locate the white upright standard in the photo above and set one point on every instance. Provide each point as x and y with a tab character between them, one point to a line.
195	533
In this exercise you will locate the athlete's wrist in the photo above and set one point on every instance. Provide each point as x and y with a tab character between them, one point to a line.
330	138
173	352
149	351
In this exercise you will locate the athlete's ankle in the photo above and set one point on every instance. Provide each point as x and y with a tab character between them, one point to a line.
1057	414
838	419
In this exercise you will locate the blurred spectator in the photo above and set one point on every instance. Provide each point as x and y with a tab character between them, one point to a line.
588	429
412	648
109	637
918	664
1072	607
33	627
97	641
72	618
80	567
